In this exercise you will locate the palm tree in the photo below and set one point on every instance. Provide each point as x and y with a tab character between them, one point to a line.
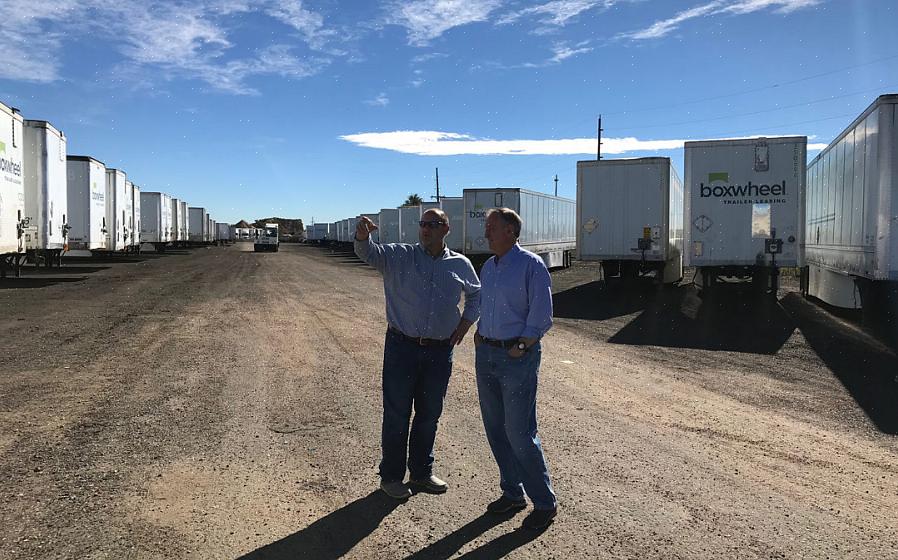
413	200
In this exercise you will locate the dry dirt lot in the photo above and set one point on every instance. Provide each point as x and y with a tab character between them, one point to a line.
216	403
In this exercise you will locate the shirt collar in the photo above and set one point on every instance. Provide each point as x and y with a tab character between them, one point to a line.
515	249
441	256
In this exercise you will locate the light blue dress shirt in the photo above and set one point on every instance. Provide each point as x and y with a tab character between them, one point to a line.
516	298
423	292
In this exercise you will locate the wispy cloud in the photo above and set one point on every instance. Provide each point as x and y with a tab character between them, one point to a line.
178	40
425	20
437	143
732	7
380	101
556	13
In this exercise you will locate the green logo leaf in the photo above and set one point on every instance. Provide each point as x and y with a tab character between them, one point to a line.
725	177
2	147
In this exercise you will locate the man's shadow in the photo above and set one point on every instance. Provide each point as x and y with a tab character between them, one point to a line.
334	535
497	548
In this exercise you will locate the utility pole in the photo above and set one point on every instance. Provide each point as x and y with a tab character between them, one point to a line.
556	185
599	147
437	197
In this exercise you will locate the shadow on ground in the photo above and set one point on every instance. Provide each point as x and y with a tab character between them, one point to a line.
864	366
334	535
499	547
10	283
596	301
732	318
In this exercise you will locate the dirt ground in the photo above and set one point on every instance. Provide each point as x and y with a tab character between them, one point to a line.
217	403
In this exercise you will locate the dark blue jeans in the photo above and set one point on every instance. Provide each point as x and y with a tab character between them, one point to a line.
413	376
507	390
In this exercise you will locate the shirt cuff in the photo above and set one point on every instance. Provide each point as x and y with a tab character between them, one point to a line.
531	332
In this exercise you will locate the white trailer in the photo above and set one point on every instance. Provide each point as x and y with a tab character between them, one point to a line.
852	212
224	232
208	230
548	229
116	216
46	197
135	209
155	219
744	209
388	225
454	207
128	215
630	217
184	223
12	190
197	225
409	216
320	232
86	193
176	237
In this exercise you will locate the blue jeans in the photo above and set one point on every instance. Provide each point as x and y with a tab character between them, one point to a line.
413	376
507	389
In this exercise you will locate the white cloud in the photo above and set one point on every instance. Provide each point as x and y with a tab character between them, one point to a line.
426	20
733	7
380	101
563	52
437	143
177	39
557	12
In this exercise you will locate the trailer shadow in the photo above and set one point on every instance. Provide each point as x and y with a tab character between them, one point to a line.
64	269
597	301
732	318
334	535
28	283
864	366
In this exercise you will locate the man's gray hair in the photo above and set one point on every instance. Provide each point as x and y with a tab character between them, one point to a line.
510	217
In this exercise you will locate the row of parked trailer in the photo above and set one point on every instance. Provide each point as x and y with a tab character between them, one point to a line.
52	202
548	231
748	208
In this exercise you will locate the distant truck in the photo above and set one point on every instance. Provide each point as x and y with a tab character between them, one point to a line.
549	223
267	239
745	208
630	217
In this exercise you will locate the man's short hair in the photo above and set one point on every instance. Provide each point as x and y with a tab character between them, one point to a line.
509	217
439	213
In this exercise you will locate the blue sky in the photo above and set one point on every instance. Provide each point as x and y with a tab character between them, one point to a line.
327	109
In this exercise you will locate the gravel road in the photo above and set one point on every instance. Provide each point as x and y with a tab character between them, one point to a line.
218	403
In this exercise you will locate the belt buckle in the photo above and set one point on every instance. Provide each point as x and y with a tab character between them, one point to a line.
421	341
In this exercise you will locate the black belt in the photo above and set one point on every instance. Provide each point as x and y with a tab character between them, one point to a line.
420	341
506	344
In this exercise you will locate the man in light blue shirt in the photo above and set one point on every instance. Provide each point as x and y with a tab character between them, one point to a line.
515	313
423	284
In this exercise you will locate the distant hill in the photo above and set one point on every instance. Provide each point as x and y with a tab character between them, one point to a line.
243	224
287	228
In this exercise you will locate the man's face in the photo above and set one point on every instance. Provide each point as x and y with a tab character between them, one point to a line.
431	236
498	233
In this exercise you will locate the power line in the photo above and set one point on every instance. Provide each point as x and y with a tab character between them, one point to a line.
736	115
762	88
755	131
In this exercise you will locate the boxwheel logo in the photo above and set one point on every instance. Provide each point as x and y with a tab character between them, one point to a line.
478	212
719	186
9	166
